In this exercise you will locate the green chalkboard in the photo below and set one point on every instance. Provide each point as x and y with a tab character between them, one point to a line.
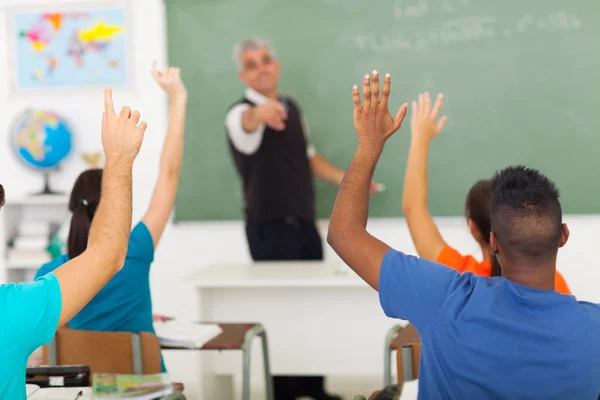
520	79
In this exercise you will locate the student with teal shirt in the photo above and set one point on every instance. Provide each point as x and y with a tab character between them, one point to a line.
506	337
125	303
31	312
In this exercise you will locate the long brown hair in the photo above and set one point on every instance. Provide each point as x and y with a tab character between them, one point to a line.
84	200
477	208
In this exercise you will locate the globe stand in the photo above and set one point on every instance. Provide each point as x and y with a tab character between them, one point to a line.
47	190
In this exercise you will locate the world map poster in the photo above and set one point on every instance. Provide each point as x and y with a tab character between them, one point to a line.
75	48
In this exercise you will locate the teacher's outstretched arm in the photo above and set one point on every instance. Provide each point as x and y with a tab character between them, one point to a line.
347	234
171	157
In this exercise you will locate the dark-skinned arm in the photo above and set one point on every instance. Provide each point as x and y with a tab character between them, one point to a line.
347	233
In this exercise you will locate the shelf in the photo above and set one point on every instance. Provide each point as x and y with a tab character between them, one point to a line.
24	264
37	200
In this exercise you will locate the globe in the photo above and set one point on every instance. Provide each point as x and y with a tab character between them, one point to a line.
41	140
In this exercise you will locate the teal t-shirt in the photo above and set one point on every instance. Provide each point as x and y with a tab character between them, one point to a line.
30	314
124	304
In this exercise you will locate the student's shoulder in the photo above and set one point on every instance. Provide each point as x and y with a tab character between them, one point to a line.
51	265
592	310
140	243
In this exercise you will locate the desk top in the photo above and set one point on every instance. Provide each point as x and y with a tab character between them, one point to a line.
277	274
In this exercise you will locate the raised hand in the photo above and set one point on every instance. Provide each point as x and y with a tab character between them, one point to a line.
122	134
372	120
273	115
169	79
424	124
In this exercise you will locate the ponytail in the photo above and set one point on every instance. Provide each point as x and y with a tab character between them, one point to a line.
79	231
496	268
84	200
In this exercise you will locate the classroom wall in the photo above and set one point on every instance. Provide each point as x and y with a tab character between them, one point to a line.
187	247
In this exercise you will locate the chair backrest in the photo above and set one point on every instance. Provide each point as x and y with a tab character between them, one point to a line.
106	352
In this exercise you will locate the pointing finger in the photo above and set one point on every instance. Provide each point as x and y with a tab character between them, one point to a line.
108	101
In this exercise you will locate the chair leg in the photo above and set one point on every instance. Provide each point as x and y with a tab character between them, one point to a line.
387	354
267	366
246	372
256	331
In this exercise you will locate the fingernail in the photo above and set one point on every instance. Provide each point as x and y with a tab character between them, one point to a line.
107	88
354	87
367	76
388	76
374	72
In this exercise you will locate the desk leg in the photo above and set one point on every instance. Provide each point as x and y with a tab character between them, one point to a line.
387	354
259	331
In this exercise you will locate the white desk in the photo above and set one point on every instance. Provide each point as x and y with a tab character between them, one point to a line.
320	318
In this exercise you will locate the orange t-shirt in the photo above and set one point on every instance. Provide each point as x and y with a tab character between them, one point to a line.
453	259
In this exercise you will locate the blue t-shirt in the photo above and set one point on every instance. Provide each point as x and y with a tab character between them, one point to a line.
29	318
490	338
124	304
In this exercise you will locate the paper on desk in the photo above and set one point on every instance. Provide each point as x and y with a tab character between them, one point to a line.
61	393
30	389
175	333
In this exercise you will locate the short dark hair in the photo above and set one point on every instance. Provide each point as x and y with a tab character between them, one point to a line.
526	214
2	196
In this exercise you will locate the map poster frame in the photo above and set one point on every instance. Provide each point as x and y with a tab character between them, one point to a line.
126	83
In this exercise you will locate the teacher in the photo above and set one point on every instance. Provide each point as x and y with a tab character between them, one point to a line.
269	142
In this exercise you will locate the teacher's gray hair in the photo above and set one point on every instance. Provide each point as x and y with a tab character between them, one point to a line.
251	43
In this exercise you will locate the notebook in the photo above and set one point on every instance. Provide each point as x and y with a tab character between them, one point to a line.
138	387
175	333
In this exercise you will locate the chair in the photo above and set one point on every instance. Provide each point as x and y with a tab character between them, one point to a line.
401	339
106	352
239	336
407	362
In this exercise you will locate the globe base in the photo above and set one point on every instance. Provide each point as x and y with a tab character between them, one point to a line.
47	191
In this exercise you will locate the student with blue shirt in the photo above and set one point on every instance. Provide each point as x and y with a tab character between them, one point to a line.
125	304
31	312
503	337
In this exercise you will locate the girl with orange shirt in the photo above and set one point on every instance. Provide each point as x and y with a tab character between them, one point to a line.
424	232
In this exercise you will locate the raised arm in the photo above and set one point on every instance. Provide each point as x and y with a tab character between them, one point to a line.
347	234
165	190
424	127
82	277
